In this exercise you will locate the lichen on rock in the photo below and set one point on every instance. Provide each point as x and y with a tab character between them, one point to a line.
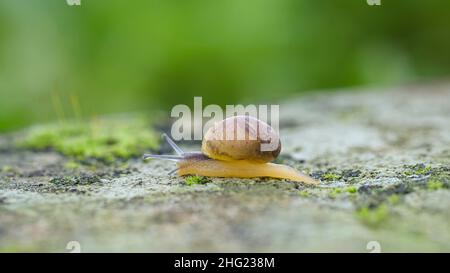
382	158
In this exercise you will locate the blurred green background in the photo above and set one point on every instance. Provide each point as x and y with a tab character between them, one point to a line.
59	61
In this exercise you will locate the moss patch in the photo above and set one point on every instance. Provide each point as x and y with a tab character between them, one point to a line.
19	248
304	194
373	217
331	177
7	169
105	139
338	191
394	199
196	180
418	169
335	192
435	184
352	190
73	165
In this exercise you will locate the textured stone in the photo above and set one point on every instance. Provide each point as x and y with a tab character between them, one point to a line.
377	153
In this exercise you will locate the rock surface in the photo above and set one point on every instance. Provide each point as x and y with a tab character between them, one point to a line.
382	158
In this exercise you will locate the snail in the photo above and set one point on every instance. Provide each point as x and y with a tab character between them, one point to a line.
223	155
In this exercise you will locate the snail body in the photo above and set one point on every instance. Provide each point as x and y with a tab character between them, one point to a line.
232	148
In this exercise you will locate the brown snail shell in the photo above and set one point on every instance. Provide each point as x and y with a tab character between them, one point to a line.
240	138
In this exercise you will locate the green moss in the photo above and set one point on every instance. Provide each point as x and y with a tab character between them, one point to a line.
335	192
423	171
351	190
419	169
18	248
331	177
7	169
304	194
105	139
435	184
196	180
394	199
72	165
373	217
408	173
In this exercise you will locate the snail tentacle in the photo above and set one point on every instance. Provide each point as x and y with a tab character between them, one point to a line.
180	153
173	171
164	157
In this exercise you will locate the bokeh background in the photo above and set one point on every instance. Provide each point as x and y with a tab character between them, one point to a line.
59	61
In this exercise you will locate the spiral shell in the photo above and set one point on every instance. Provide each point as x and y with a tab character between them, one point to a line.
240	138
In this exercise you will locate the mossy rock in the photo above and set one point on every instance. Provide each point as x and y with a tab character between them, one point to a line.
384	176
106	139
